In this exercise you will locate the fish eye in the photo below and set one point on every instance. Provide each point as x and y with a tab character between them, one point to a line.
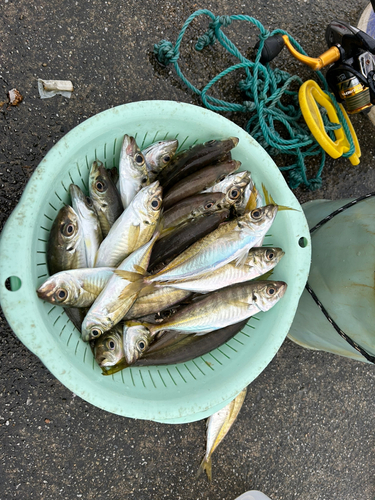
210	143
270	254
256	214
67	229
234	193
166	158
61	293
141	345
271	290
208	205
155	203
95	332
100	186
144	180
111	345
139	159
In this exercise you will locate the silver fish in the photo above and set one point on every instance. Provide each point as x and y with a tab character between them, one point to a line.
158	155
224	307
212	312
133	228
76	287
229	242
89	220
136	340
105	196
192	207
111	306
108	349
237	179
258	262
133	174
66	246
218	426
232	185
198	181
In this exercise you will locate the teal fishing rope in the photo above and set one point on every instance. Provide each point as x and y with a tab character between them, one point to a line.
263	89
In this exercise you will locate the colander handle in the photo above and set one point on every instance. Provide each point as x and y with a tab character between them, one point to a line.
17	291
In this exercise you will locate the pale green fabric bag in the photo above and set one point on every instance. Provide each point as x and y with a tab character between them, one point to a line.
342	278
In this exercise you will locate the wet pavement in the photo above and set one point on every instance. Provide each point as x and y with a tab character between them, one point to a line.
306	428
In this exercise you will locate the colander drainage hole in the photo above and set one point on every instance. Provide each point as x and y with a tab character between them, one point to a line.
303	242
13	283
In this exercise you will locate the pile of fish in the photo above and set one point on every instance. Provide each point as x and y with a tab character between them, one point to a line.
161	262
158	264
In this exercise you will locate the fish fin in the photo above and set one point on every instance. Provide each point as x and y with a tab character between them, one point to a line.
128	275
252	201
270	201
96	255
242	256
206	465
91	288
147	290
282	207
133	235
131	289
140	269
238	303
267	197
105	226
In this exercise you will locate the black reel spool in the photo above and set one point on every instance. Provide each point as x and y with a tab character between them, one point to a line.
351	59
351	78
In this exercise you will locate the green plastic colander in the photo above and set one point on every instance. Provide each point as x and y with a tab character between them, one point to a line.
178	393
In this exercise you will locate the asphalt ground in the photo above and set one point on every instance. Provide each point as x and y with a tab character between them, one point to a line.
306	428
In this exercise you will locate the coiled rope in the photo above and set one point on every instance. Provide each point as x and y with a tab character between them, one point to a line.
263	89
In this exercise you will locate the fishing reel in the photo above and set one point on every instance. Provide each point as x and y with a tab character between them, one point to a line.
351	53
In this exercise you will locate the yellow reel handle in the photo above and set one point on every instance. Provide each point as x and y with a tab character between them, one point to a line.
316	63
309	95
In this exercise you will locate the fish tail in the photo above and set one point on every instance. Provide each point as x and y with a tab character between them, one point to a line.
270	201
136	283
206	465
131	276
131	289
147	289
